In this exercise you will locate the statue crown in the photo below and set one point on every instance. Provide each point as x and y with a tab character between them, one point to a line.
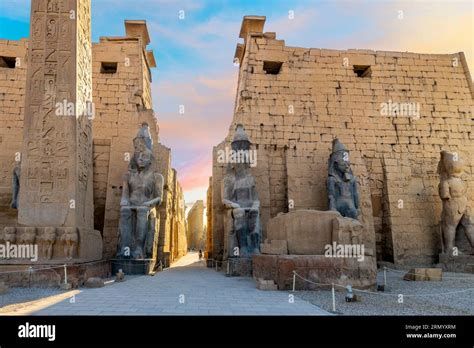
240	134
338	146
143	137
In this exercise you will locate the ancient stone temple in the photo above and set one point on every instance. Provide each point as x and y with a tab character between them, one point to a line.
393	111
69	195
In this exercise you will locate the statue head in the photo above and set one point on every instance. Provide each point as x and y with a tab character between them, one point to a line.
30	230
49	231
339	164
9	230
9	234
143	159
450	165
70	232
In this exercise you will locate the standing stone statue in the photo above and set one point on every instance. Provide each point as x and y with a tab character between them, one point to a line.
241	201
456	210
142	192
47	240
342	184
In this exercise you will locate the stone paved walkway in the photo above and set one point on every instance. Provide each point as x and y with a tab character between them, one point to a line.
203	291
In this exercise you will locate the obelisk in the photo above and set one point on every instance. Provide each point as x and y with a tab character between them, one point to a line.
56	188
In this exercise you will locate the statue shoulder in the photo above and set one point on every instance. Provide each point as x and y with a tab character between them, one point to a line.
127	176
228	178
159	177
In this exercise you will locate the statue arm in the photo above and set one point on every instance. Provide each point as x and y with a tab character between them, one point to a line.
356	194
444	190
158	191
331	193
227	196
256	201
125	191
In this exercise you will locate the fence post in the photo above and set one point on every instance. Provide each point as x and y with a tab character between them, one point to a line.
30	272
65	274
333	299
294	280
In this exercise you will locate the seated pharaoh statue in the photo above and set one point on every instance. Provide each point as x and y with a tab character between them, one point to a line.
457	214
342	185
240	199
142	192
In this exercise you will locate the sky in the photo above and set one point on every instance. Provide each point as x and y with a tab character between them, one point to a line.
195	54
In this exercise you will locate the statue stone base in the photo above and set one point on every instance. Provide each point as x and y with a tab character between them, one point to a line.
317	269
238	267
131	267
461	263
53	245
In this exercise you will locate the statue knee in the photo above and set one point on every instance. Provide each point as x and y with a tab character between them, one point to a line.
152	213
143	210
125	211
238	213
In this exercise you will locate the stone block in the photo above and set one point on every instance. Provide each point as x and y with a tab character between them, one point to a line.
94	282
316	269
424	274
239	267
307	232
65	286
263	284
274	247
460	263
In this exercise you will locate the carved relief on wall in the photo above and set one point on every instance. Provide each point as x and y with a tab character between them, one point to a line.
61	148
51	29
5	172
36	85
61	174
52	6
38	29
33	148
51	55
65	33
47	240
63	70
84	150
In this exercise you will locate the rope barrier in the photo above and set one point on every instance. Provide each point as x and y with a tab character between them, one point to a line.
231	259
385	294
30	269
309	281
443	276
